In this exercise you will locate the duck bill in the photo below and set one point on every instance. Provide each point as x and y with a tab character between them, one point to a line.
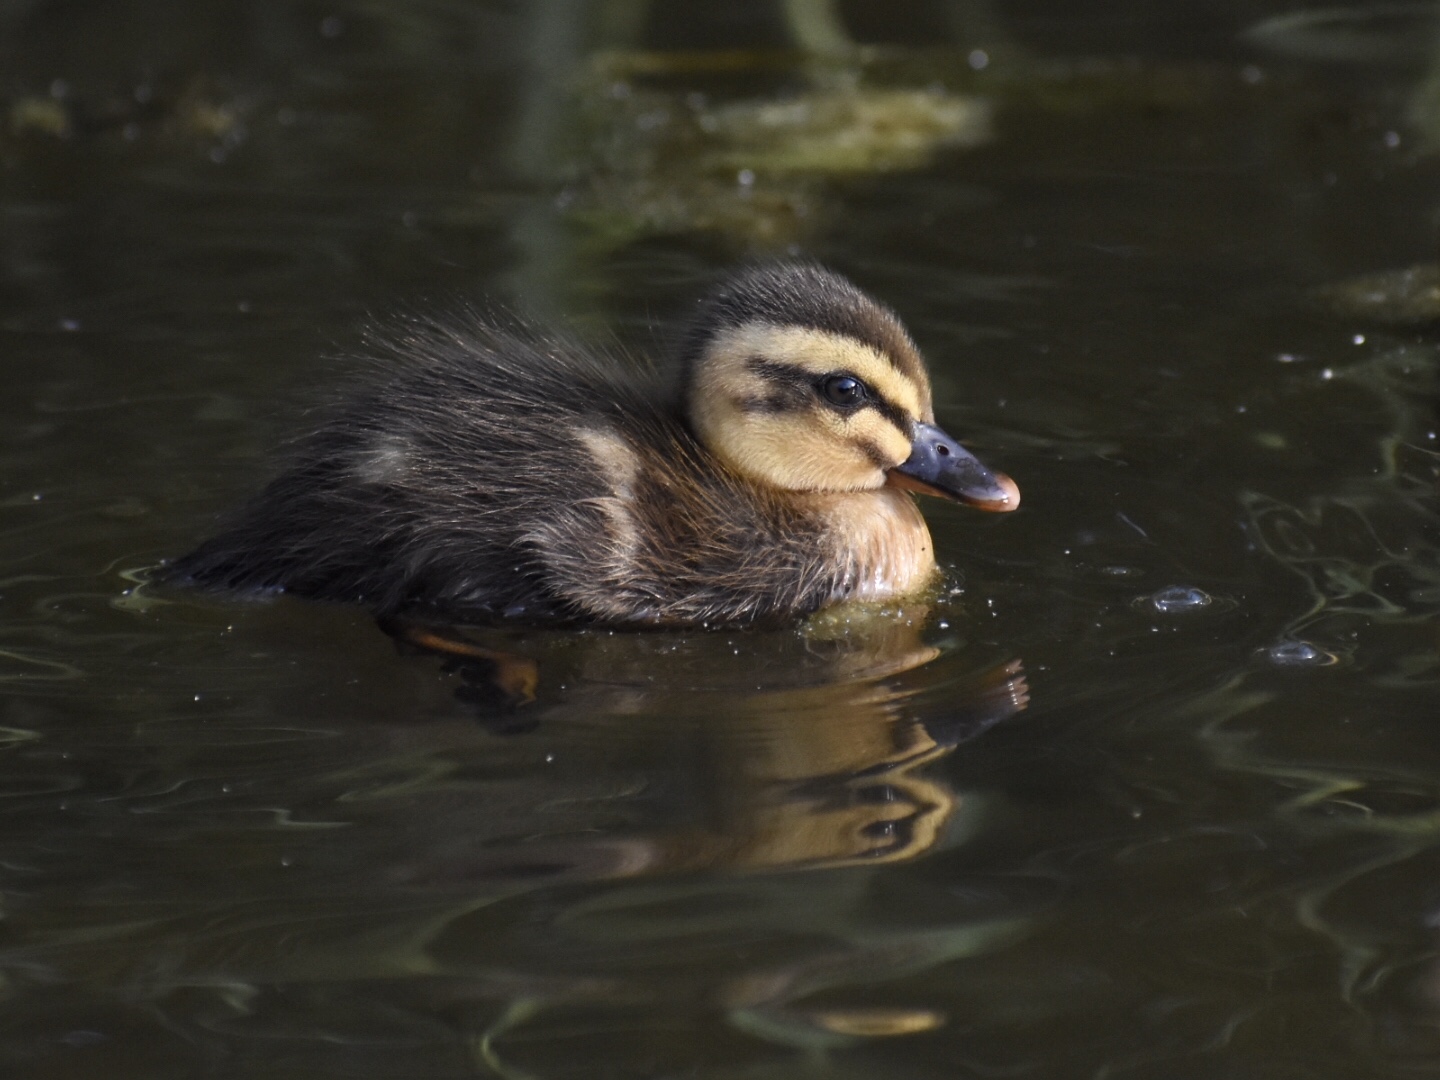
938	465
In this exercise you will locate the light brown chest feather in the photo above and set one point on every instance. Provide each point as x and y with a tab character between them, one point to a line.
880	540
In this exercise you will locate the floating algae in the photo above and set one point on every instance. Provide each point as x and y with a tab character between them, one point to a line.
1379	33
195	112
751	170
1407	297
849	131
1368	549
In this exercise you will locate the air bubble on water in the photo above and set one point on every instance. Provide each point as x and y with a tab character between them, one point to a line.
1179	599
1297	653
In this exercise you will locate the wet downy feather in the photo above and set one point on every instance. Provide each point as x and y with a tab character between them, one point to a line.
488	471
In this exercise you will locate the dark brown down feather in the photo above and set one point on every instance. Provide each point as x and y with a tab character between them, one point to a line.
456	479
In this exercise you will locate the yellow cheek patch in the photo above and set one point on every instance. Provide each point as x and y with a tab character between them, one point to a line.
789	451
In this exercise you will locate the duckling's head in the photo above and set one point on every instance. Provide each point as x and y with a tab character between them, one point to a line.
800	382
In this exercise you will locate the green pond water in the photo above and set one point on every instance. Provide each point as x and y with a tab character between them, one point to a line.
1151	789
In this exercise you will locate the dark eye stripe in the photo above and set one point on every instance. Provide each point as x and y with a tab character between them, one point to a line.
770	403
896	415
787	376
877	457
783	374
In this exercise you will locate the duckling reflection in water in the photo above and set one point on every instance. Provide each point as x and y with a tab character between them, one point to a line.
497	474
702	812
771	750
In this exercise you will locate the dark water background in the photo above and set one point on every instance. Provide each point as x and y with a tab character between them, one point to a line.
256	840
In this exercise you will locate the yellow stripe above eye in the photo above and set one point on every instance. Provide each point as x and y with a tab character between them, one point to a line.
818	353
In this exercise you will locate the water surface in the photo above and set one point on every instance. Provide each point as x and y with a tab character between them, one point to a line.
1150	790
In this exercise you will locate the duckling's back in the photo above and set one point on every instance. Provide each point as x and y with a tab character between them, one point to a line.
490	473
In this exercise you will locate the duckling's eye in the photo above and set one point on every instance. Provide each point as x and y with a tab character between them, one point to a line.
843	390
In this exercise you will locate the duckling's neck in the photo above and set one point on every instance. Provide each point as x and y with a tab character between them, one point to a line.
879	542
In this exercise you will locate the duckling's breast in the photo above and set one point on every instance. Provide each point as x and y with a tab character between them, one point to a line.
880	544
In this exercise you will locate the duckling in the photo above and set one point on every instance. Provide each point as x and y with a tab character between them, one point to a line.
491	472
